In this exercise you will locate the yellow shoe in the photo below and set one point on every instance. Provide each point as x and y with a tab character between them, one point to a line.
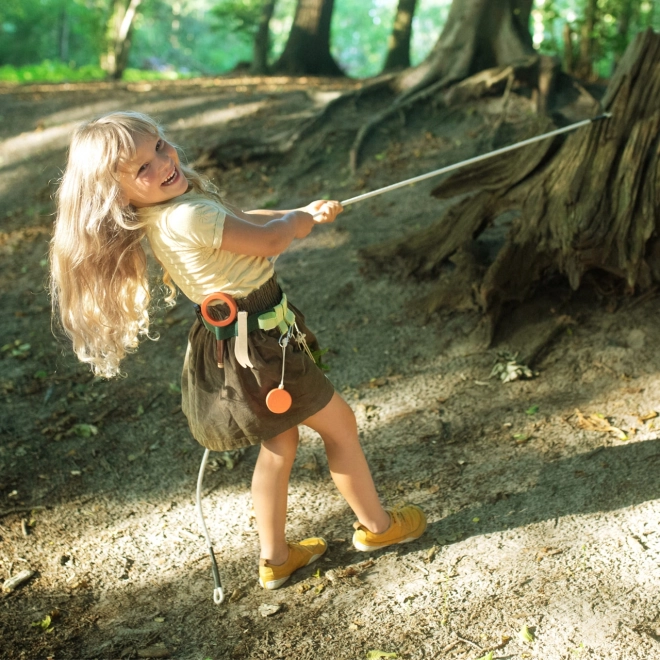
408	523
300	554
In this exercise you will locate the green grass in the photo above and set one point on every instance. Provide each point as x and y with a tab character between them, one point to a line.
55	72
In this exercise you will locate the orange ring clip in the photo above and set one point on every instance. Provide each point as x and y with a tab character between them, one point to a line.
228	300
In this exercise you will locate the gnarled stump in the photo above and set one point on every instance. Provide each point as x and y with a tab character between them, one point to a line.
589	202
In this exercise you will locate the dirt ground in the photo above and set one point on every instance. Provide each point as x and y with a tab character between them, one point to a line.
543	495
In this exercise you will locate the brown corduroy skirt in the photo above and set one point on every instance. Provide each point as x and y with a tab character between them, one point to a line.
226	407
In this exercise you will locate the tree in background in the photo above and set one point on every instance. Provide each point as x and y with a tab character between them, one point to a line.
307	49
120	29
251	19
478	35
261	48
64	30
398	45
590	37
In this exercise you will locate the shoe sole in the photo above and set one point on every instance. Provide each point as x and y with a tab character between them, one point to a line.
276	584
370	548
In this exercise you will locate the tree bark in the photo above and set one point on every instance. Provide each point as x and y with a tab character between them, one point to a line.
479	34
398	46
120	30
261	47
307	50
591	202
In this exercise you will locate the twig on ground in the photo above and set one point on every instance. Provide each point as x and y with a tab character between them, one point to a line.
467	641
20	509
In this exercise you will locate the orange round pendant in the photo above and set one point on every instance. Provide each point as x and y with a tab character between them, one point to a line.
278	401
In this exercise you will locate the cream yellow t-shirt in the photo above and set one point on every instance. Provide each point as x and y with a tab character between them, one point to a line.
185	234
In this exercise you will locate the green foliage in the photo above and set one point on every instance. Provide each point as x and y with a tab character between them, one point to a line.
238	15
49	71
617	21
55	72
360	32
65	30
63	40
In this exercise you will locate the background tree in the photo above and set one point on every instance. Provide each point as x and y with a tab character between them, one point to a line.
307	49
120	30
478	35
398	45
261	44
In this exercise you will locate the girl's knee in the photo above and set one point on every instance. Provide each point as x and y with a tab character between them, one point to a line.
282	448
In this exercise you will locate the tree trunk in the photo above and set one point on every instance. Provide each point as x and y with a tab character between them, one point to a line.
64	35
478	35
585	69
398	46
591	202
261	46
569	60
307	50
629	12
120	29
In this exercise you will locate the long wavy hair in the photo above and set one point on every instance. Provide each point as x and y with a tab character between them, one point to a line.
99	281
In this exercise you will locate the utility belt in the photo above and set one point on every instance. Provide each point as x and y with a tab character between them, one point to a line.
279	316
239	324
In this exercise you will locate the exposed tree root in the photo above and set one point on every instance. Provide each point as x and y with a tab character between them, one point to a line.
589	202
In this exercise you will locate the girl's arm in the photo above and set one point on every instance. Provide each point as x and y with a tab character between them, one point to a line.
242	236
267	240
263	216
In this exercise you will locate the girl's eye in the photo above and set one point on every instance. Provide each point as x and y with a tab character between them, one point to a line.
159	145
143	168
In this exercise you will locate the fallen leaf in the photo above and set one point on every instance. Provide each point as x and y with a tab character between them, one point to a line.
237	594
268	610
598	422
83	430
488	656
45	623
532	410
375	655
547	552
526	635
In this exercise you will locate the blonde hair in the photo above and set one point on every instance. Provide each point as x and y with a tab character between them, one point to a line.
99	280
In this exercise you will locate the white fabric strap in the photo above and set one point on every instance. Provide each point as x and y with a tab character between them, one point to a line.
241	345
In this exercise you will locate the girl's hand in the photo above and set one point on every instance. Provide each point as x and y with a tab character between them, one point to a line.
323	211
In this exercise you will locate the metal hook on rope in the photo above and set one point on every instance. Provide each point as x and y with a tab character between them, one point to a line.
218	593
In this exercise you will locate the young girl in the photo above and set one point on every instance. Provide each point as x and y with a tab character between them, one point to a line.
123	182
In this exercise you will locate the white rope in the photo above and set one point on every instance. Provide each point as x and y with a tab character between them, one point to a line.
218	594
476	159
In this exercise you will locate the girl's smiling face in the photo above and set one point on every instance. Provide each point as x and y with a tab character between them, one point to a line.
154	175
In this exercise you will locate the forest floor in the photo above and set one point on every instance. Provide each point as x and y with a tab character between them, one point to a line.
543	495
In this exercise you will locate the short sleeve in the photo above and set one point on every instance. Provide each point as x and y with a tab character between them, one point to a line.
198	224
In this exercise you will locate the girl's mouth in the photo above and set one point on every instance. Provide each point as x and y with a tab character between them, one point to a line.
171	178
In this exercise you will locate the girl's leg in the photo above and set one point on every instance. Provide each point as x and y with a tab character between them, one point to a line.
348	466
270	484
